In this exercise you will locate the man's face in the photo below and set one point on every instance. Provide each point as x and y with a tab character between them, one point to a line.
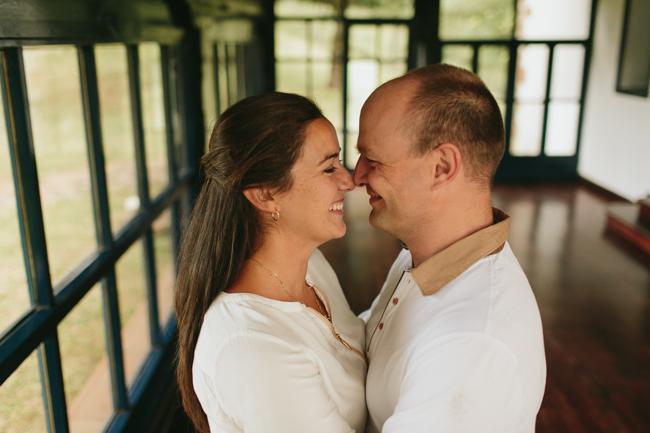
396	179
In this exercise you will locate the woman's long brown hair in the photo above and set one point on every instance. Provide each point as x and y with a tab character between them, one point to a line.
255	143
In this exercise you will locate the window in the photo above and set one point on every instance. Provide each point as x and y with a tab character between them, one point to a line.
634	57
88	175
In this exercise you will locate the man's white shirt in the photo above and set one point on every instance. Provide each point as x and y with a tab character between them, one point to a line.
456	345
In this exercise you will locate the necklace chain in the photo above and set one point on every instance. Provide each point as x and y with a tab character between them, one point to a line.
319	304
273	274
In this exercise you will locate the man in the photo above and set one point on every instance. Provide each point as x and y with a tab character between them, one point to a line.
454	338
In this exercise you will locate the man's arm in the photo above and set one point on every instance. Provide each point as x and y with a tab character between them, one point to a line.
461	383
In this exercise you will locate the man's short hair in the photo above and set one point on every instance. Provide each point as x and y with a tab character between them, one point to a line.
452	105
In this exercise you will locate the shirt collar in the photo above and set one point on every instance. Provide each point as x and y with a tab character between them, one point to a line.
441	268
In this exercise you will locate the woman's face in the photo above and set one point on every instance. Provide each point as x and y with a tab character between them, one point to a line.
312	209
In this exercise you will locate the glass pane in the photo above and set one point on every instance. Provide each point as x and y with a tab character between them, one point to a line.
224	91
85	365
303	8
553	19
364	40
290	40
352	154
566	75
458	55
291	77
326	40
60	146
233	77
327	78
388	71
532	66
131	290
562	128
21	400
393	42
476	19
208	88
379	9
526	133
117	133
493	69
165	259
502	107
362	81
153	117
13	280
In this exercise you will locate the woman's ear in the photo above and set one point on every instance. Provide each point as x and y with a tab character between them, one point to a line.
261	198
446	163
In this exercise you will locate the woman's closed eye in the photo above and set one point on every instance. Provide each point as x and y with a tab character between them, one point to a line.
335	166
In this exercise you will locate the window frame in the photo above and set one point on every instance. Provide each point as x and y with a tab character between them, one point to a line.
620	88
37	329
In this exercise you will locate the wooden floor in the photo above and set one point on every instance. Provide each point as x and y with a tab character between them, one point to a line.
594	298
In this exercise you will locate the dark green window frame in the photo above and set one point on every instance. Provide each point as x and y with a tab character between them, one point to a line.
36	329
634	35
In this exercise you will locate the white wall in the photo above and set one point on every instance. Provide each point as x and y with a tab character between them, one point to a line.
615	144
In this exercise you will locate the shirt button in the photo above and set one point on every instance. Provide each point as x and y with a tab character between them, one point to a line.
381	326
395	301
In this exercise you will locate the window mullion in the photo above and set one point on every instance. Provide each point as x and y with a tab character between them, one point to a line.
32	230
169	95
547	97
226	57
215	74
143	191
91	107
49	361
344	87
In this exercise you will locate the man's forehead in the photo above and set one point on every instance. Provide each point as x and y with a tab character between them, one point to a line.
387	106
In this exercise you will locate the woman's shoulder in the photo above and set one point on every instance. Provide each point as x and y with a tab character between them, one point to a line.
239	313
246	317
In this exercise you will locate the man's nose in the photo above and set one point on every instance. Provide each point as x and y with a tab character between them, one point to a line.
346	183
360	171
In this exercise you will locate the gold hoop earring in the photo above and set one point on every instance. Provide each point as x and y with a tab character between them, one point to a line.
275	215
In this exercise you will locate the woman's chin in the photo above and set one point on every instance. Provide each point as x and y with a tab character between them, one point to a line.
341	231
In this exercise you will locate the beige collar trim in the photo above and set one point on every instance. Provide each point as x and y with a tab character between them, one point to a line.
441	268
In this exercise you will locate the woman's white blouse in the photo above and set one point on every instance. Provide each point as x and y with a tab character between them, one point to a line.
267	366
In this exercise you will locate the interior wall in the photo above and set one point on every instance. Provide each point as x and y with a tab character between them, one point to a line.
615	144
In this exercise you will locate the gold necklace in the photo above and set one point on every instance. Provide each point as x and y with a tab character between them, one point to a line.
321	308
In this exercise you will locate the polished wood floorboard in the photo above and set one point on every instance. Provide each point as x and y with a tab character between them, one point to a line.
594	298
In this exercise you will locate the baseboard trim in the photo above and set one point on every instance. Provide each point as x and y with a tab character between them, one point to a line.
602	192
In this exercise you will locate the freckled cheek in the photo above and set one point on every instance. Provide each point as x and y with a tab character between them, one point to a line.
311	195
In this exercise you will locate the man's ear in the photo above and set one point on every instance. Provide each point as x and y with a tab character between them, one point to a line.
447	162
261	198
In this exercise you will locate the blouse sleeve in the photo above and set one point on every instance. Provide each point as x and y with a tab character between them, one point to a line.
267	386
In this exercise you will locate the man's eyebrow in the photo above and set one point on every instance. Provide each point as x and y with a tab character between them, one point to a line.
330	156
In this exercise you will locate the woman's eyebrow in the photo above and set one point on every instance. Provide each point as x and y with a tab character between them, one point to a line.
330	156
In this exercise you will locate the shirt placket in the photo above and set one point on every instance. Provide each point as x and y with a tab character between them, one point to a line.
401	289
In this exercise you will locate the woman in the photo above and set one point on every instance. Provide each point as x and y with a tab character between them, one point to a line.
267	342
